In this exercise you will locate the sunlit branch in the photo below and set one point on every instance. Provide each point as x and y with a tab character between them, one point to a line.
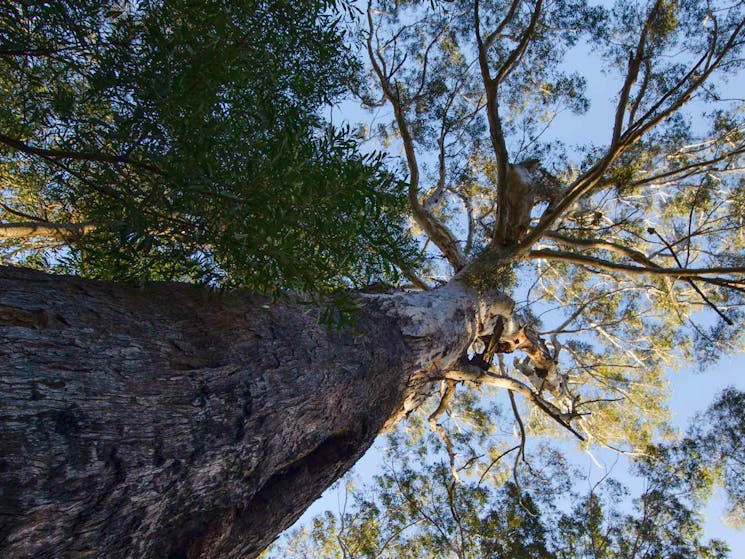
476	375
585	303
692	168
698	77
631	253
435	230
27	229
495	460
521	450
590	178
611	384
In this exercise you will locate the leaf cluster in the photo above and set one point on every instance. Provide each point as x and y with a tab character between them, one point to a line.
189	135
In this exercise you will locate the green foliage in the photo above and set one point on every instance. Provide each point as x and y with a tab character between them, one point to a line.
189	135
716	439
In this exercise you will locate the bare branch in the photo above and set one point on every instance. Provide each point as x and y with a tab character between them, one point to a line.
689	280
19	213
474	374
692	168
497	459
521	450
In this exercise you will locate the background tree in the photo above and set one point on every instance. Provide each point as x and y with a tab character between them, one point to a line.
416	509
131	134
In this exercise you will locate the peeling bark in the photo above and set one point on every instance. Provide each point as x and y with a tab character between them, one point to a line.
173	421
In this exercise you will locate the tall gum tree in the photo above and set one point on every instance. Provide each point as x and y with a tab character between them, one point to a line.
167	420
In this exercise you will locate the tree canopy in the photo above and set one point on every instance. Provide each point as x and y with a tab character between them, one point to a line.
183	140
627	253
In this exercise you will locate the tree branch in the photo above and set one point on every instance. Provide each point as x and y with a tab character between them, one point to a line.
689	280
83	156
435	230
518	51
26	229
590	178
496	134
618	267
435	426
502	24
629	252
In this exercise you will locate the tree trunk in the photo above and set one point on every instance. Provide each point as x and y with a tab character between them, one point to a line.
174	421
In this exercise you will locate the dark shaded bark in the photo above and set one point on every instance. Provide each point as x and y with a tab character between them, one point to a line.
172	421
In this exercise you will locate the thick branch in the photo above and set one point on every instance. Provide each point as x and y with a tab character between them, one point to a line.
26	229
476	375
629	252
692	168
519	50
450	387
496	134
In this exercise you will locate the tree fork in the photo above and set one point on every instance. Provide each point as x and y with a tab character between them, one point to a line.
175	421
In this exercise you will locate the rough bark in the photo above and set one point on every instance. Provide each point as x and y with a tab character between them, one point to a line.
173	421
